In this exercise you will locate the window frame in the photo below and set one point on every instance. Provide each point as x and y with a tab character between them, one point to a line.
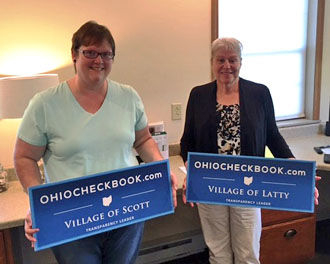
313	94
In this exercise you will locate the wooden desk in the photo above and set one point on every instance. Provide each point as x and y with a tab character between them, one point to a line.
287	237
14	204
6	252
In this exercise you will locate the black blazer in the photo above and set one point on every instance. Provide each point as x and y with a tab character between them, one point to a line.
258	125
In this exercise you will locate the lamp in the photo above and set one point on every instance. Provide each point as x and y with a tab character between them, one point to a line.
16	92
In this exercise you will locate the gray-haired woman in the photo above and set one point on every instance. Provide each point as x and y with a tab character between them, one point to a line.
231	116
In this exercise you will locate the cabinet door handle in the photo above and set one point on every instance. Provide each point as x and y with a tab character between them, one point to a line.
290	233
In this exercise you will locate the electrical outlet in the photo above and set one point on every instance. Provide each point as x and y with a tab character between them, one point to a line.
176	111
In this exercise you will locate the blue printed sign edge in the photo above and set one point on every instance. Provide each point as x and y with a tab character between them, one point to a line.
313	163
32	208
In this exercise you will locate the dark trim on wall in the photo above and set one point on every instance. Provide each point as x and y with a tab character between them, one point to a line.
318	59
214	20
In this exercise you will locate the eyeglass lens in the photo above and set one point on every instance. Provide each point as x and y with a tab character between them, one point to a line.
91	54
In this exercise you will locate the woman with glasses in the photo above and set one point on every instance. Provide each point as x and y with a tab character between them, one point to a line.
86	125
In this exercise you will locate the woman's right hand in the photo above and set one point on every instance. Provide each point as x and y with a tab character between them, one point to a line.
29	231
184	188
184	192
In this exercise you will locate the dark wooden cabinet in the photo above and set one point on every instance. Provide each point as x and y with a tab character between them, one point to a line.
6	255
2	249
287	237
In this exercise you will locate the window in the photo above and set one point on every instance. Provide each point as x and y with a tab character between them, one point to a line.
279	48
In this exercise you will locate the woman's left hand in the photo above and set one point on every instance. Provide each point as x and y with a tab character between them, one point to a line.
316	192
174	182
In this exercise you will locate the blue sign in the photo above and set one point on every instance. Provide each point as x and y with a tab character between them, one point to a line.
281	184
76	208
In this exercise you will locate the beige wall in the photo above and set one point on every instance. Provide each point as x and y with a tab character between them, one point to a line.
163	49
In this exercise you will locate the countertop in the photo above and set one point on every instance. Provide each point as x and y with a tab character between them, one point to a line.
14	202
302	148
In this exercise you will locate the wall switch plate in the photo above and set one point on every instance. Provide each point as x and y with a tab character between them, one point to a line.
176	111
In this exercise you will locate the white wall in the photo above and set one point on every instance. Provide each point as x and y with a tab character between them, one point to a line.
163	52
163	48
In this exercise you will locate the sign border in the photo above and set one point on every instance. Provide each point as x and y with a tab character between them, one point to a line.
313	163
32	207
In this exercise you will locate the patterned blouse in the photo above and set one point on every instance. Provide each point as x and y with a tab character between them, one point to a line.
228	129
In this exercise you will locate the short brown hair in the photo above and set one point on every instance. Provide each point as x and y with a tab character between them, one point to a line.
92	33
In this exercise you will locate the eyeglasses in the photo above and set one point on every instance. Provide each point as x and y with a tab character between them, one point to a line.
91	54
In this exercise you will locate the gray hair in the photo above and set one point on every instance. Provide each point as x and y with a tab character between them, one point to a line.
227	44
